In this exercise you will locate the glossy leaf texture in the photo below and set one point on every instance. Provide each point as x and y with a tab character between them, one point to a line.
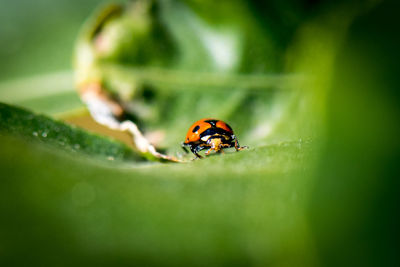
60	136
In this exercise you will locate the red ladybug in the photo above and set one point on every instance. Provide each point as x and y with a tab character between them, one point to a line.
212	134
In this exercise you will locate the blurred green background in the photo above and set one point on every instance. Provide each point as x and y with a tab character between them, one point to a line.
313	92
38	37
37	42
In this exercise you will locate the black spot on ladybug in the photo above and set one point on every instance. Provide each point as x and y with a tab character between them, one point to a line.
195	129
212	122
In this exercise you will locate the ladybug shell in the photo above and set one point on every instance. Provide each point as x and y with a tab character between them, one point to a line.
200	127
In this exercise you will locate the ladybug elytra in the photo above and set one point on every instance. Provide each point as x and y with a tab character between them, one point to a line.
210	134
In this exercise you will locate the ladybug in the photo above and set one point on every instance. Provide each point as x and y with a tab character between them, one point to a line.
212	134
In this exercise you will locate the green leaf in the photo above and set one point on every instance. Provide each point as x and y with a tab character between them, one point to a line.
240	208
318	185
60	136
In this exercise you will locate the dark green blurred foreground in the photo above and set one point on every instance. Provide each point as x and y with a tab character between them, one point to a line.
327	201
230	210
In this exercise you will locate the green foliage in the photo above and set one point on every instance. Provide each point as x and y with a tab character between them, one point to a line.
354	208
230	67
231	209
57	135
312	91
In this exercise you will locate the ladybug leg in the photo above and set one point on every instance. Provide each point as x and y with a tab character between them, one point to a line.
221	146
197	155
215	144
209	151
196	150
219	149
237	146
183	145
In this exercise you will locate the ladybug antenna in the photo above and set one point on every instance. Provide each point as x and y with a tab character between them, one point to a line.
184	147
